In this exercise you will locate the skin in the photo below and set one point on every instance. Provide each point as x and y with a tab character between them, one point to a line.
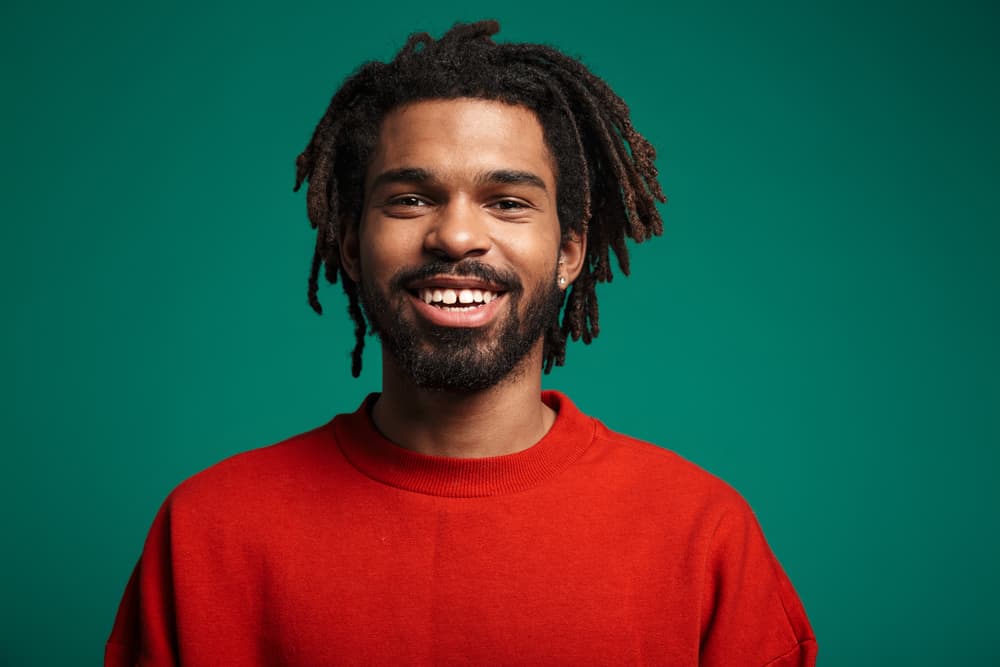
460	209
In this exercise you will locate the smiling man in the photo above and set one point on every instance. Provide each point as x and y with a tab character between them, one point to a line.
466	195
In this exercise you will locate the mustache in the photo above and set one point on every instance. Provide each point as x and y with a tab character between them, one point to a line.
467	268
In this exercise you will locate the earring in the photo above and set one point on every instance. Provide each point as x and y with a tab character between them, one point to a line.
562	280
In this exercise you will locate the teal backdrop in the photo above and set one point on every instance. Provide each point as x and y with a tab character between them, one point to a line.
818	324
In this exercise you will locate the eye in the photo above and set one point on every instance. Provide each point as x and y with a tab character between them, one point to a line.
407	200
406	206
509	205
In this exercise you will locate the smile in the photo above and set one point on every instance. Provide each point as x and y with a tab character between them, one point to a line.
465	303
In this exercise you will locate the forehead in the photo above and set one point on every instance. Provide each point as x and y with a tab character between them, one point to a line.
462	137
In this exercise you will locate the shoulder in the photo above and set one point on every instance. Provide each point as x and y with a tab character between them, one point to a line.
636	461
750	606
662	473
258	475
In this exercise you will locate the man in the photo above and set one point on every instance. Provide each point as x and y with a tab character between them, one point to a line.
464	194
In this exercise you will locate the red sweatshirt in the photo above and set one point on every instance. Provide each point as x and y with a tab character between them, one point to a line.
338	547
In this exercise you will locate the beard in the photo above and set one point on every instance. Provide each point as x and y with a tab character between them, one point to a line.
457	359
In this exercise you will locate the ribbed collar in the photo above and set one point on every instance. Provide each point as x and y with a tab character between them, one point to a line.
384	461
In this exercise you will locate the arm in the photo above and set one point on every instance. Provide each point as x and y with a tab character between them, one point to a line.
751	614
143	634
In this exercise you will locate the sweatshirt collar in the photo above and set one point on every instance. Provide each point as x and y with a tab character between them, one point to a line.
384	461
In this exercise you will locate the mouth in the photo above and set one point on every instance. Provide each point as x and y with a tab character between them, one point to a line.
457	302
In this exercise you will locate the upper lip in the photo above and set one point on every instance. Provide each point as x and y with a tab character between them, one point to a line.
455	282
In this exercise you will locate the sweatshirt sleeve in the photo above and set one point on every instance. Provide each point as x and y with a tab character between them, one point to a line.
751	615
144	634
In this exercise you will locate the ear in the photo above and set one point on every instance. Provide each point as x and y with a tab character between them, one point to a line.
572	252
350	249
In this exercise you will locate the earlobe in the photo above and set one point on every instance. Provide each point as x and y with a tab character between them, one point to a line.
350	250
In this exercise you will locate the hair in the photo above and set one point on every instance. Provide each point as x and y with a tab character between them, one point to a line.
606	179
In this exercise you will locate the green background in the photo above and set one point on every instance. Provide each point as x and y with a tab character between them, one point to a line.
818	325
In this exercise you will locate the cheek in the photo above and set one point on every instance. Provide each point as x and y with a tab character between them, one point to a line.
384	250
534	250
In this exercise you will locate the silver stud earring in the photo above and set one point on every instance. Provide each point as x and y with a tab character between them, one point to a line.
562	280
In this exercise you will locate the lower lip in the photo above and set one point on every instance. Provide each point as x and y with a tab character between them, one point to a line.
474	317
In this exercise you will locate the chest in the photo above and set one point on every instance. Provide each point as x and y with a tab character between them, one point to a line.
459	583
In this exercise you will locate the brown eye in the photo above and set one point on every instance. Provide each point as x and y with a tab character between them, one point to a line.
509	205
408	200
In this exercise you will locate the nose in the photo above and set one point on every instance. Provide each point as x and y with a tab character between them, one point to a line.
458	230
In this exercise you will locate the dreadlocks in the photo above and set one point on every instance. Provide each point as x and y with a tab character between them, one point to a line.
605	177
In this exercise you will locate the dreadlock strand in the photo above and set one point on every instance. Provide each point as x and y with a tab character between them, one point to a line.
633	189
332	270
360	325
621	253
600	241
592	314
575	320
317	199
554	347
572	320
414	45
581	156
644	177
469	32
313	293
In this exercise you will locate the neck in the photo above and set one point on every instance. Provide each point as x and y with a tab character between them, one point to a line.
503	419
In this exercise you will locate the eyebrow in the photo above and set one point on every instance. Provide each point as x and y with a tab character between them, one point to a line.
402	175
494	176
511	177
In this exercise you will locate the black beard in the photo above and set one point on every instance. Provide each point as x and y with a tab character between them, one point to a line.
461	360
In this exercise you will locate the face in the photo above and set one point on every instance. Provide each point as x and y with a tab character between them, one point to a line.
459	253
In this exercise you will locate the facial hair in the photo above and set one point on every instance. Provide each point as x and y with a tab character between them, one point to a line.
457	359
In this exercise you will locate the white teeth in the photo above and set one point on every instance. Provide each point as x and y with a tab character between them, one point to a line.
468	298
